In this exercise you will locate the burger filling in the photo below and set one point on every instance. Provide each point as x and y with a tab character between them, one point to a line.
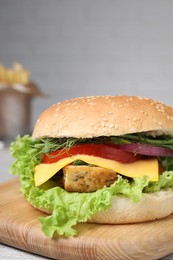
115	155
87	179
52	170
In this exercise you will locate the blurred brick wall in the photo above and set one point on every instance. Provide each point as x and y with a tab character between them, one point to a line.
93	47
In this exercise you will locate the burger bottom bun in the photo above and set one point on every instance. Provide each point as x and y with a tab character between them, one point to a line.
123	211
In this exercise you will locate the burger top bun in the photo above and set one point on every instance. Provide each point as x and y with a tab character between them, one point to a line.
94	116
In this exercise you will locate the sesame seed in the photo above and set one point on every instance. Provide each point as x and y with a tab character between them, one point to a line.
134	119
160	107
91	104
95	128
159	123
111	126
161	110
155	120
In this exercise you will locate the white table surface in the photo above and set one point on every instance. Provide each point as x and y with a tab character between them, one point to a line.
7	252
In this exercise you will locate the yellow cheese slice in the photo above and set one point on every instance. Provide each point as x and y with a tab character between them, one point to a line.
149	167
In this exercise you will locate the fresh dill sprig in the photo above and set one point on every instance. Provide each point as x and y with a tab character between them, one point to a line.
47	145
163	140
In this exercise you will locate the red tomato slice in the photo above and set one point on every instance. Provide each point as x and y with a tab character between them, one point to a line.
107	151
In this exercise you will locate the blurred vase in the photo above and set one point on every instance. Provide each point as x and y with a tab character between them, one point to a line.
15	109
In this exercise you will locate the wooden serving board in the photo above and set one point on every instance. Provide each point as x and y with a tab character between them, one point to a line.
20	228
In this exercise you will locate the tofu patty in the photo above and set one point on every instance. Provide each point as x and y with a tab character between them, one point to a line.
87	179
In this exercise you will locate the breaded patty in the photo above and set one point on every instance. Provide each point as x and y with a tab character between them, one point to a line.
87	179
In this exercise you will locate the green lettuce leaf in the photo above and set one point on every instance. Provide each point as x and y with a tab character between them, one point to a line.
67	208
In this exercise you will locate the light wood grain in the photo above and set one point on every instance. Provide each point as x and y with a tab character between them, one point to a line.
20	228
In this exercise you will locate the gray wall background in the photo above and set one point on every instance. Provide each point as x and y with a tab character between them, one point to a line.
90	47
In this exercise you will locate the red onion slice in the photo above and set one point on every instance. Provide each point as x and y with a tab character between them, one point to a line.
146	149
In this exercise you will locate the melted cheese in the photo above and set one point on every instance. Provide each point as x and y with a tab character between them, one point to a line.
150	167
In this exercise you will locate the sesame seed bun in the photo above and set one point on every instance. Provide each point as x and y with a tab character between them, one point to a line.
89	117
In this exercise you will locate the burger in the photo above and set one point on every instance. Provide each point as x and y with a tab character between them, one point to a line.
98	159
